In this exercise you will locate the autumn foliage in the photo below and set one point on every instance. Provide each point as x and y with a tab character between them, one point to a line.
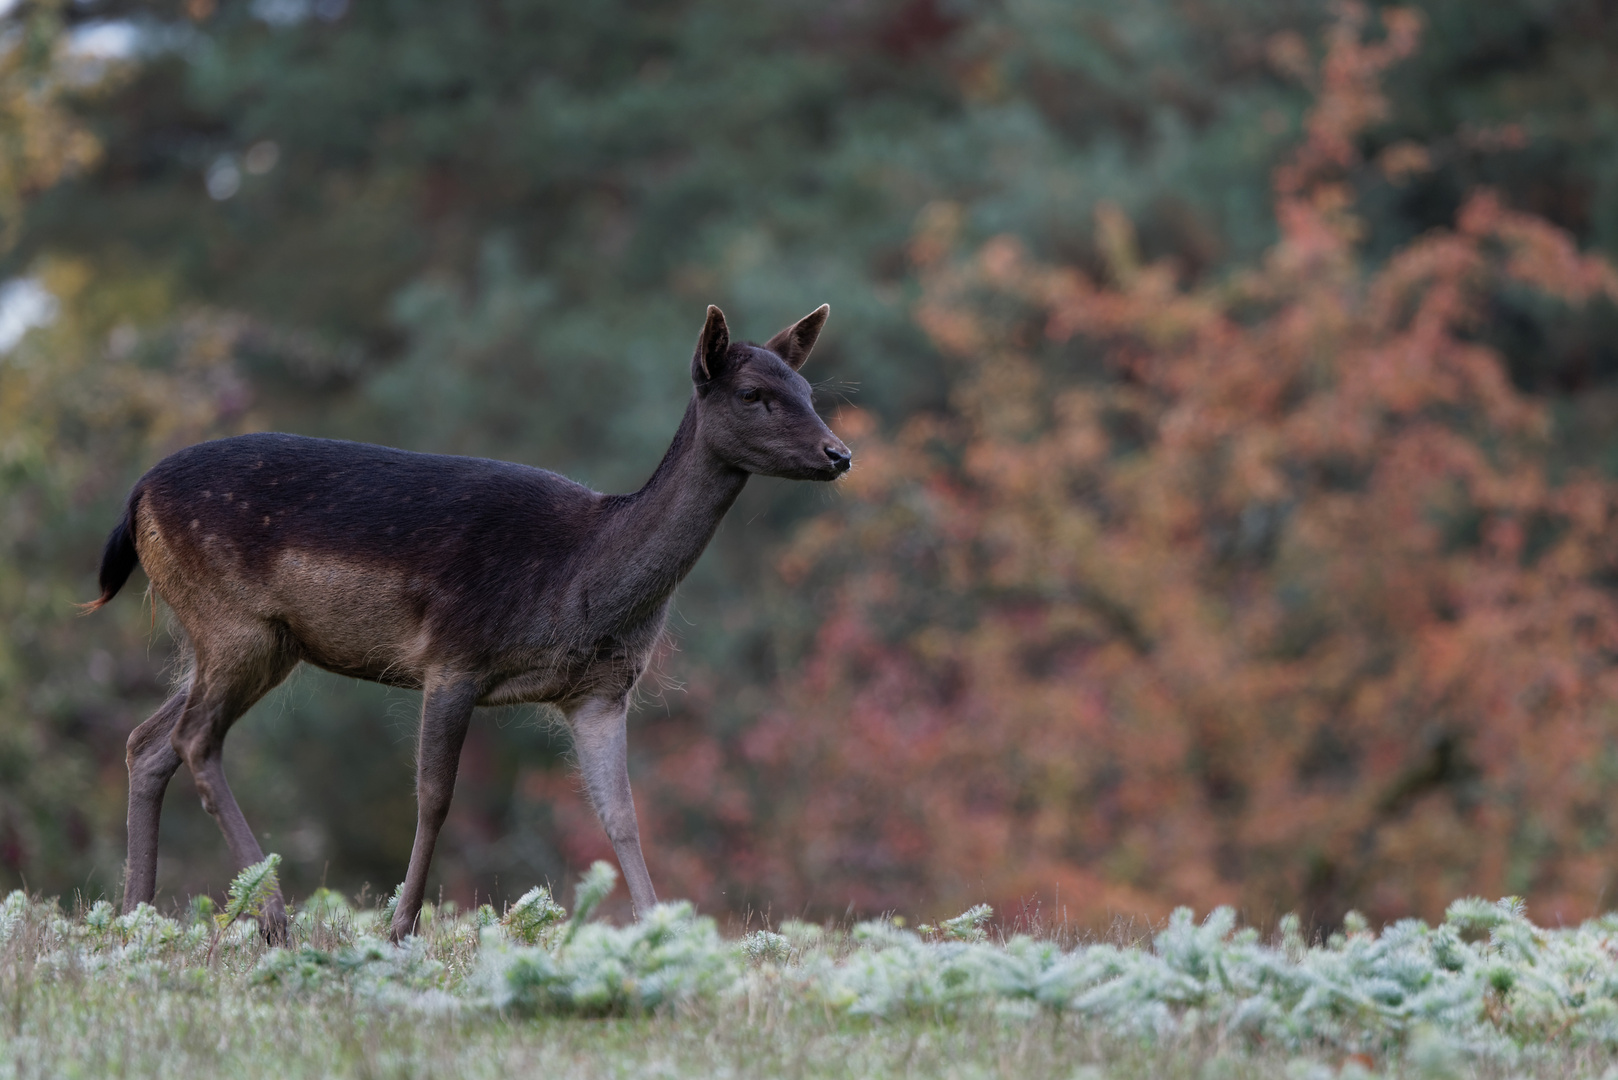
1262	592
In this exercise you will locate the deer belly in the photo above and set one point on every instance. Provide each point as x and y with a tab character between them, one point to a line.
352	618
561	676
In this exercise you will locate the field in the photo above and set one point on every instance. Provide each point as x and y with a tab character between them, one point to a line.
541	991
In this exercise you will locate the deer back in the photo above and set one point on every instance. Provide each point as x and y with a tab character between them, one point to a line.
376	561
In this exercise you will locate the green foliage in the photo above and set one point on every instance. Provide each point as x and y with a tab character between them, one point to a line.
327	904
1409	995
81	398
596	885
534	917
392	904
202	909
967	926
671	955
765	947
251	889
1475	918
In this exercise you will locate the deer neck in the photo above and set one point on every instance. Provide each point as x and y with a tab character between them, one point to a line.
653	537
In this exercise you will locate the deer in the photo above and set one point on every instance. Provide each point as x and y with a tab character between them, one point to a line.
477	582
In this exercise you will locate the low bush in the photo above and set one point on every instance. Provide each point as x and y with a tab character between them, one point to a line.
1484	986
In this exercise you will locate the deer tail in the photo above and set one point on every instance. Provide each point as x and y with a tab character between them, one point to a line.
118	558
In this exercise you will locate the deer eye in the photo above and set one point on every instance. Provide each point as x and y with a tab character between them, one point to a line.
750	394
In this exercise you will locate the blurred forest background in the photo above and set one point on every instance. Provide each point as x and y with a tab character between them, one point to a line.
1233	386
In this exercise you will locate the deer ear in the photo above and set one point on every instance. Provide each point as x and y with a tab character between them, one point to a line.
793	343
711	346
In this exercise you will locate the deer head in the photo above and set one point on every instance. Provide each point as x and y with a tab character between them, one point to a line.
755	412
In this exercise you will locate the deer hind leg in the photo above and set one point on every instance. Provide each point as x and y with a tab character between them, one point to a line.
152	762
446	713
601	742
232	674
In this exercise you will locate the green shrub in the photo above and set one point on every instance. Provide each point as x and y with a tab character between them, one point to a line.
1486	984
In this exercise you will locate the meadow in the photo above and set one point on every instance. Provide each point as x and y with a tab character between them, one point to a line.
541	989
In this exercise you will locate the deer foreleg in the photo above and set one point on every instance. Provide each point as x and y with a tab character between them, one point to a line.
601	741
446	712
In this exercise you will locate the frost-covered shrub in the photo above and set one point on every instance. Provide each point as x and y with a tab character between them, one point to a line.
670	955
764	947
967	926
375	969
1485	983
533	918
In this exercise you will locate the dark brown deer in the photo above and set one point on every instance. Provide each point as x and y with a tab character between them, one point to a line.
478	582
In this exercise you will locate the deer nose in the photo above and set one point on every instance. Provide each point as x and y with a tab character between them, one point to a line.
839	455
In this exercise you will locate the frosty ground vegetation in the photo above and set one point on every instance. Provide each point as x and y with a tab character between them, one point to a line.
1485	992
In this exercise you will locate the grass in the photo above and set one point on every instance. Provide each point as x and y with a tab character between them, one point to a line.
540	991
